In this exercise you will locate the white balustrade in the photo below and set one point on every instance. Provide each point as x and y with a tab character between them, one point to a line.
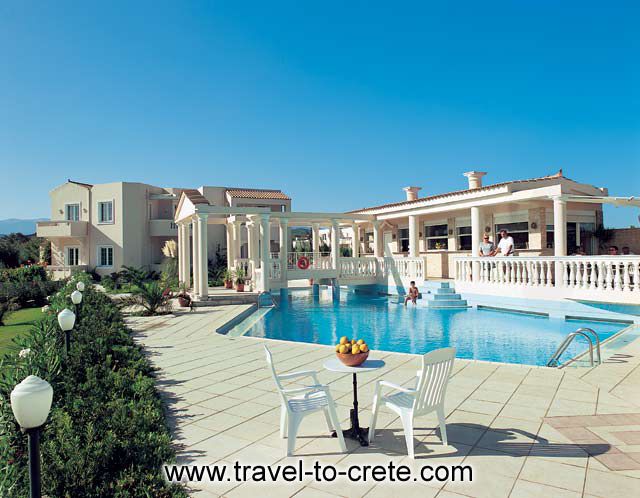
274	269
614	274
358	268
317	260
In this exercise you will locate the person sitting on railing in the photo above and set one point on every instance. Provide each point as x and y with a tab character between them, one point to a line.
487	248
413	294
506	244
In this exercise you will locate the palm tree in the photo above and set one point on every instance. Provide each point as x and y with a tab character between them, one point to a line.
152	297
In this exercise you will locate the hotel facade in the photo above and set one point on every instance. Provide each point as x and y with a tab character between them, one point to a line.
106	226
552	220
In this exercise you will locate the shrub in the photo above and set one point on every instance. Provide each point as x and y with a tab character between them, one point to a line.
26	286
152	297
106	435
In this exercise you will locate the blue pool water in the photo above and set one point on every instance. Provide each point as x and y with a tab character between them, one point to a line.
387	325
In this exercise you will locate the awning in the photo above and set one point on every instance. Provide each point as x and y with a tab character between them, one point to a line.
615	201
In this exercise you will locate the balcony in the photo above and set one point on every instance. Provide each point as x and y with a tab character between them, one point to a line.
58	229
163	228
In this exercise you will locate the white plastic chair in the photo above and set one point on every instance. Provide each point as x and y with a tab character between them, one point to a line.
426	397
301	401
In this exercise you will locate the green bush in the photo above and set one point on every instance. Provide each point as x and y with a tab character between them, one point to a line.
106	434
26	286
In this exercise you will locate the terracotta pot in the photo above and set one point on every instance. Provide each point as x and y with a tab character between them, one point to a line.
352	360
184	302
228	284
239	287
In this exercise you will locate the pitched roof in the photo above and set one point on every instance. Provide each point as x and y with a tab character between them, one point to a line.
257	193
460	192
195	196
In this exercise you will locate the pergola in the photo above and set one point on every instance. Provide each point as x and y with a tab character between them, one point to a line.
195	212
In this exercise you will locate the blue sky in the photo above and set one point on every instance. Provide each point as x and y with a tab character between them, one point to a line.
340	104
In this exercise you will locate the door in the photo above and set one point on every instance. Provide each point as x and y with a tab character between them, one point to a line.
389	244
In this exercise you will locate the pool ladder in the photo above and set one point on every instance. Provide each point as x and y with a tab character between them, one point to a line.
582	332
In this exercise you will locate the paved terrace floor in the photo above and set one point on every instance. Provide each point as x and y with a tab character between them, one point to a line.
526	431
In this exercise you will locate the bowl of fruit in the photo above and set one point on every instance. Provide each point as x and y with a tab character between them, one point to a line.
352	352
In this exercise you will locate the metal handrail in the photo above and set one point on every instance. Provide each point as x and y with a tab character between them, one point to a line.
597	338
553	361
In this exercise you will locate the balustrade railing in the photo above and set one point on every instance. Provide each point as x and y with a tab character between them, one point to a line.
355	268
364	267
317	260
403	267
597	273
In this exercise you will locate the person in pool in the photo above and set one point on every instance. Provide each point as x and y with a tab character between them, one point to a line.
413	294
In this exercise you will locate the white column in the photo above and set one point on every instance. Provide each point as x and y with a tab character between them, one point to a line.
335	244
231	256
196	250
355	241
203	257
265	234
414	240
559	236
284	247
316	237
237	239
186	254
180	253
476	235
253	244
377	239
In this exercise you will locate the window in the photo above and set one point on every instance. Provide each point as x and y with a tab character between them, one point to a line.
105	212
437	236
72	212
105	256
403	238
579	238
464	238
519	231
72	256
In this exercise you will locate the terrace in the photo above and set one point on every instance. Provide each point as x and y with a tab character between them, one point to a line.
523	429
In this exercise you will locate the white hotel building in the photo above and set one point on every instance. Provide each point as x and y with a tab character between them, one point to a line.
418	238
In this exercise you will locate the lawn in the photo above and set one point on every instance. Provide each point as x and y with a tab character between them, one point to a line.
17	323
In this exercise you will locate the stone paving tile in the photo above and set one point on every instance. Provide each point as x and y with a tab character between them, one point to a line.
525	430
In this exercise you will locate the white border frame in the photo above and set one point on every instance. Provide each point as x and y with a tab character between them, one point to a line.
113	256
113	212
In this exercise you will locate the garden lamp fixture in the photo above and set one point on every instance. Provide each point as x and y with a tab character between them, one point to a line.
66	320
76	297
31	403
80	286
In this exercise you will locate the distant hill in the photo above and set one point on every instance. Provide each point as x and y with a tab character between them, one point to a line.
13	225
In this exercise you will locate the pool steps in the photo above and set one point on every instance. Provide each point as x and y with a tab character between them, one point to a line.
440	295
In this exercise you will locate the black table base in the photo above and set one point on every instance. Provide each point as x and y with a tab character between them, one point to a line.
355	432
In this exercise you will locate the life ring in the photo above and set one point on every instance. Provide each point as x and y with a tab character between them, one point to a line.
303	262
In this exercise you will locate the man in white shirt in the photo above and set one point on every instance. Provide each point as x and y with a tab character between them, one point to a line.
505	246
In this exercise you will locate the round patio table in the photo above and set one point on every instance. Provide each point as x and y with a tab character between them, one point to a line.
335	365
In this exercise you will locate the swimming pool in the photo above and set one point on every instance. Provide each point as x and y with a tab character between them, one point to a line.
387	325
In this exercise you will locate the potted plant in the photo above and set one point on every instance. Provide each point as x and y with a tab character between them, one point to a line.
240	279
184	299
227	276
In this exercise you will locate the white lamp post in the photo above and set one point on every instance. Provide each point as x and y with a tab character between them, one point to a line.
31	403
80	286
76	297
66	320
